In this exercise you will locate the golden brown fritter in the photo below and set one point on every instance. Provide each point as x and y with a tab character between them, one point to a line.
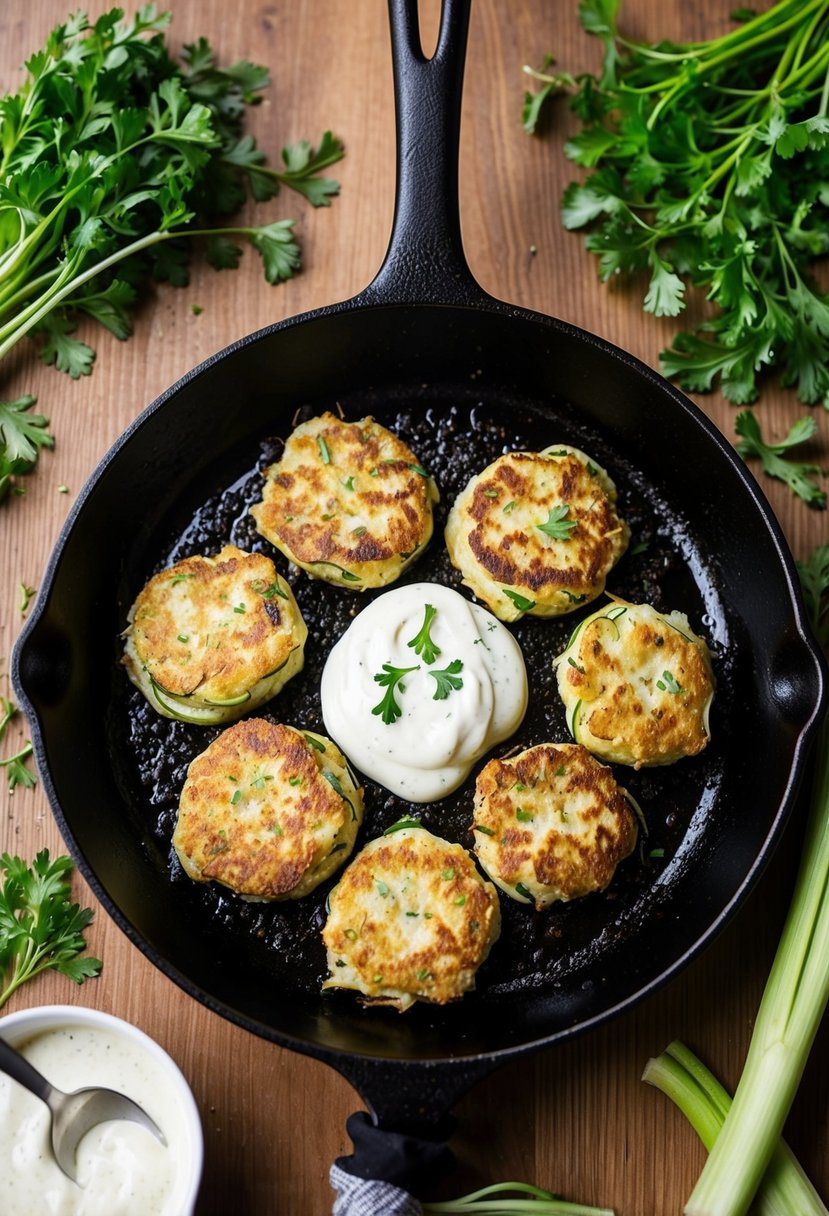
551	824
537	532
348	502
637	685
411	919
268	811
211	638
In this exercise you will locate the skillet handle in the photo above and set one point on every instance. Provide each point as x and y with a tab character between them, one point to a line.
425	261
401	1142
387	1168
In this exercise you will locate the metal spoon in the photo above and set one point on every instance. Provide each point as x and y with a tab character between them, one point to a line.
73	1115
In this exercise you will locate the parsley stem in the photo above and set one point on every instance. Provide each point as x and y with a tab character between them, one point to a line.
23	322
43	307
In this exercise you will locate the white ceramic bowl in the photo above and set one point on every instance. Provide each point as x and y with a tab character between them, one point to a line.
17	1028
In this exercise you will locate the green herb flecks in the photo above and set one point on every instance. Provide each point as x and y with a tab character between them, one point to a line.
557	525
391	679
669	683
521	602
39	927
325	454
26	593
269	590
422	643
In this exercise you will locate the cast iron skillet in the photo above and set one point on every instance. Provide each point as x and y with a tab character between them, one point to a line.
463	376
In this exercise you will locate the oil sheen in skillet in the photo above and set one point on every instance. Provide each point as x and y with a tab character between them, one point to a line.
664	566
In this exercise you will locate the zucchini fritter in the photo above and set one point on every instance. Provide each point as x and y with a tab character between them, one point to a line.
211	638
637	685
537	532
268	811
348	502
551	824
411	919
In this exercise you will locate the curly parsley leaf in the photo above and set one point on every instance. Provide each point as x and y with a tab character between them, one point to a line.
39	927
773	459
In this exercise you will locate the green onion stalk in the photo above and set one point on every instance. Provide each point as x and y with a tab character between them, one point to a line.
795	996
511	1199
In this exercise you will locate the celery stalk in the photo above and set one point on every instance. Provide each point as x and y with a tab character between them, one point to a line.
785	1189
790	1012
796	992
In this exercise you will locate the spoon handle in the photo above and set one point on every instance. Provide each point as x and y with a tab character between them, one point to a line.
16	1066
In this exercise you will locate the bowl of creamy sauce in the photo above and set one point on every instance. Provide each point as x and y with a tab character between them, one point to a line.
122	1169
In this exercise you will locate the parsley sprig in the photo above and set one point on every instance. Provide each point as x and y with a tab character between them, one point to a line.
391	678
706	165
447	679
15	767
39	927
113	156
774	459
557	525
422	643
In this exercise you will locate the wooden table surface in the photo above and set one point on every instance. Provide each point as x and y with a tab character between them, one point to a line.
575	1118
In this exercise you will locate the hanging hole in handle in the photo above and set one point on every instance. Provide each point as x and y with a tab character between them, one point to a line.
429	25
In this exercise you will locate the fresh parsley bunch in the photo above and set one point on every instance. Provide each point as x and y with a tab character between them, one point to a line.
111	155
39	927
707	165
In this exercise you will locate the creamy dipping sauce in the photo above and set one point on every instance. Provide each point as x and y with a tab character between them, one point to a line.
122	1169
463	690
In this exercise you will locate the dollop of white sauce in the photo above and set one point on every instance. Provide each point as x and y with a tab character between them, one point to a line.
122	1169
427	752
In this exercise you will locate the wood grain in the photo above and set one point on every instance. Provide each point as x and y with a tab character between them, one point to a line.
577	1118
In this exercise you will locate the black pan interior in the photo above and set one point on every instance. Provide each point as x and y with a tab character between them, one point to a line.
462	386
